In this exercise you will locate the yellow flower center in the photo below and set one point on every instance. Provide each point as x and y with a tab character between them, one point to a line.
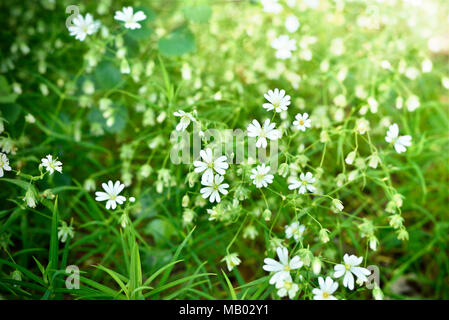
215	187
301	122
287	268
347	266
210	165
326	295
288	285
113	197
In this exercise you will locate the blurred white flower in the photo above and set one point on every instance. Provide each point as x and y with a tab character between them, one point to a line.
412	103
350	267
83	26
295	230
65	231
268	131
327	288
130	18
213	188
302	121
260	176
4	164
304	183
292	23
284	46
51	164
283	267
111	195
271	6
278	100
399	142
185	120
209	165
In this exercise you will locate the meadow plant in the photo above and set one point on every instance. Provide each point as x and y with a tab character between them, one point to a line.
272	149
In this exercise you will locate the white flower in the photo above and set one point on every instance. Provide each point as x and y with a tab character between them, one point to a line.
51	164
284	46
232	260
4	164
286	286
83	26
400	142
350	267
304	183
185	120
213	188
267	131
278	100
327	288
209	165
282	268
130	18
294	230
111	195
412	103
260	176
302	121
292	24
271	6
64	231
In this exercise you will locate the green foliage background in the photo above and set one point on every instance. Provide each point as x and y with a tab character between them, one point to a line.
225	45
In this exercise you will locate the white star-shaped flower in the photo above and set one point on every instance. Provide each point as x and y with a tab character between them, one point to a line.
51	164
186	118
4	164
284	46
400	142
327	288
209	165
263	133
130	18
83	26
302	121
282	268
294	230
285	285
111	195
304	183
214	187
351	266
278	100
260	176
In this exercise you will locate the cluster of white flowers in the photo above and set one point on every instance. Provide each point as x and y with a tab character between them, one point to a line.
81	26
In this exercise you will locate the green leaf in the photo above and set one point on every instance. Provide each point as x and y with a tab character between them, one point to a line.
231	289
10	111
107	75
199	14
177	43
54	243
135	271
160	229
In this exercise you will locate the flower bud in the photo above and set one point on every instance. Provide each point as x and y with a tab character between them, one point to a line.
377	293
185	201
324	237
266	215
316	266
